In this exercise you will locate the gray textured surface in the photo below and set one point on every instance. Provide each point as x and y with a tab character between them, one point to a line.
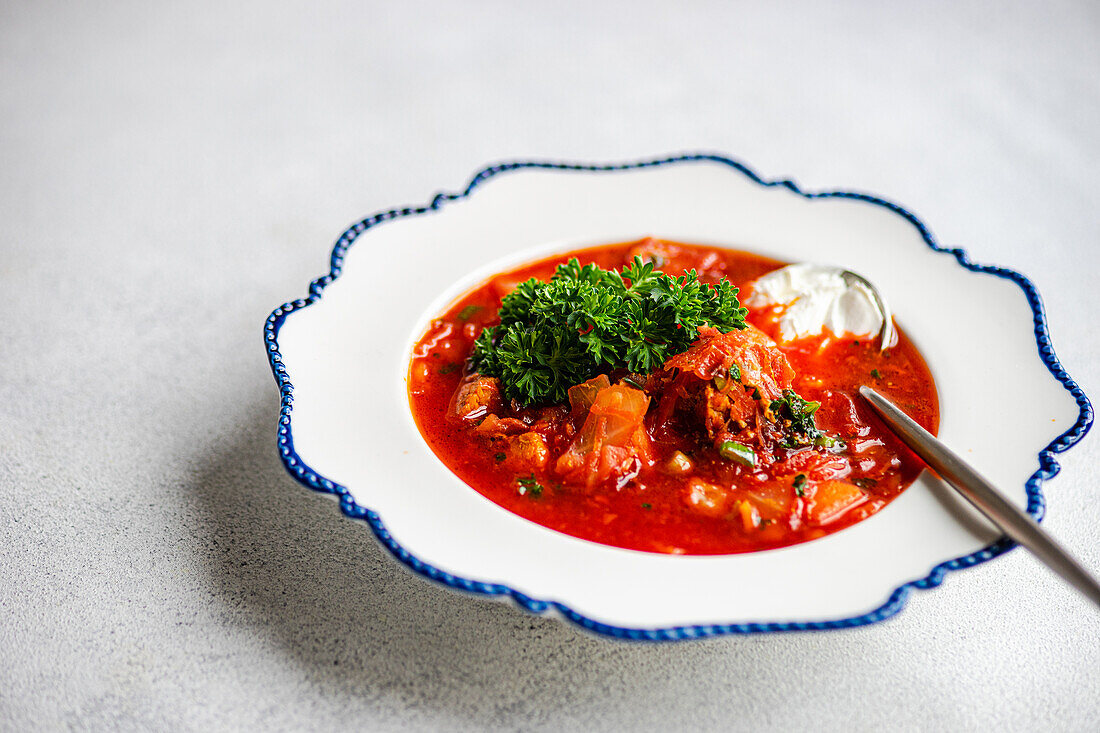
168	175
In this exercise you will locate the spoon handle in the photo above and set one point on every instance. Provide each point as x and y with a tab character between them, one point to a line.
1009	518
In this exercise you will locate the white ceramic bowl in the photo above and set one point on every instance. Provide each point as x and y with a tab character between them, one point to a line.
341	361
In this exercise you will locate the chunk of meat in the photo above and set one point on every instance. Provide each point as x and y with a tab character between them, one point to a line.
727	380
476	397
613	443
759	361
727	411
528	452
495	426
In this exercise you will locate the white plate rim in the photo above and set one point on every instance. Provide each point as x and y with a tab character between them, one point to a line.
298	469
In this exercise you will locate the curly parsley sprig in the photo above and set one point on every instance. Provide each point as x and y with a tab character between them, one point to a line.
587	321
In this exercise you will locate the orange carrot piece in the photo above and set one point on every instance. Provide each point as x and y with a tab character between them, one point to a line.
831	499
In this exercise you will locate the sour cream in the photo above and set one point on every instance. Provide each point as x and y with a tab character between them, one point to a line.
813	298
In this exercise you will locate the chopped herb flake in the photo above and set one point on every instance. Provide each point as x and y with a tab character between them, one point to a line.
467	313
797	415
500	457
448	368
876	374
800	484
828	441
646	505
528	486
864	483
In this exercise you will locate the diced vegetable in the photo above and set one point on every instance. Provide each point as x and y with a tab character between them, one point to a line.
831	499
613	441
707	498
733	451
581	396
678	464
750	517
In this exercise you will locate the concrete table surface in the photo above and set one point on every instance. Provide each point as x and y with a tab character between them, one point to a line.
171	172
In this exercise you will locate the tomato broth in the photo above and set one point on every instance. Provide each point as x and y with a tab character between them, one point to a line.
677	494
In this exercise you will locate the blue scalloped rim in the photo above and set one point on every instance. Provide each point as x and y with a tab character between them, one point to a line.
1048	466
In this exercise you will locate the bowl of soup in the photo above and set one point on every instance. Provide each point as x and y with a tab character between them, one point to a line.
554	386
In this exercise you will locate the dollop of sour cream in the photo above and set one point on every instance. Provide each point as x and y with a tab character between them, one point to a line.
814	298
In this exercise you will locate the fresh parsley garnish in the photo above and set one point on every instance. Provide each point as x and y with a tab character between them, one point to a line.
876	374
800	484
587	321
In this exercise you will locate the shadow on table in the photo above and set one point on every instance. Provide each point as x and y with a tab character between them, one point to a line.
286	561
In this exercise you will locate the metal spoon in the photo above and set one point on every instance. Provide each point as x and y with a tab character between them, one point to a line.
886	335
1009	518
